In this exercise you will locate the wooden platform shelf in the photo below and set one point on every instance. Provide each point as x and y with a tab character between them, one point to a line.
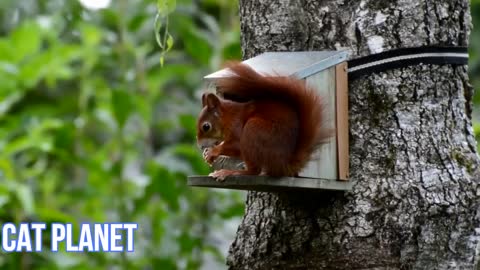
265	183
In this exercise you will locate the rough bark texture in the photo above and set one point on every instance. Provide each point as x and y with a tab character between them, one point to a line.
415	204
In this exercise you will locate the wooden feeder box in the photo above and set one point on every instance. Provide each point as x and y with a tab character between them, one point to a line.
325	71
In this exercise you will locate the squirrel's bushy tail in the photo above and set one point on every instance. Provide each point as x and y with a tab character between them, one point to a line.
247	84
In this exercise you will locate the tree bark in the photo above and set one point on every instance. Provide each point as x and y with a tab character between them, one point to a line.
415	202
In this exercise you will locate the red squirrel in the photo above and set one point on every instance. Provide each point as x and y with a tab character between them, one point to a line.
275	132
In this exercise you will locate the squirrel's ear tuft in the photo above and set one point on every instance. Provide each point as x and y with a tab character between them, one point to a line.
210	100
204	99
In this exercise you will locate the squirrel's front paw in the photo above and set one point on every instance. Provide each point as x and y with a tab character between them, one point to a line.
220	175
209	156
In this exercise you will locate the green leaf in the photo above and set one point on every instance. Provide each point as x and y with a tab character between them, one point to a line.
188	242
192	154
162	59
25	196
9	101
7	170
165	7
164	264
235	210
122	106
171	5
143	107
137	21
17	145
50	214
26	40
169	42
7	52
197	44
111	16
164	184
91	35
232	51
65	136
4	199
36	69
189	123
158	28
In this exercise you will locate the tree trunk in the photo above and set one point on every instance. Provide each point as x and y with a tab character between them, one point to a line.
415	202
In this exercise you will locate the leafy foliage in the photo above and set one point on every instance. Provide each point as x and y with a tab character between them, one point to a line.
163	37
93	130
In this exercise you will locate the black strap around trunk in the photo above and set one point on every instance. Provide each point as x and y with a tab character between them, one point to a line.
404	57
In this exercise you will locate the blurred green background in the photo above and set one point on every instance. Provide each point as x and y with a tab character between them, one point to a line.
92	129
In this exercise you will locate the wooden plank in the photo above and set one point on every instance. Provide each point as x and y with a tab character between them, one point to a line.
342	120
324	161
265	183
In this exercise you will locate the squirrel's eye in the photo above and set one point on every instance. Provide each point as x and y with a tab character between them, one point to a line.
206	127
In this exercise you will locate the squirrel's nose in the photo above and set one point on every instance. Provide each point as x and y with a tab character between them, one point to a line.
206	143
